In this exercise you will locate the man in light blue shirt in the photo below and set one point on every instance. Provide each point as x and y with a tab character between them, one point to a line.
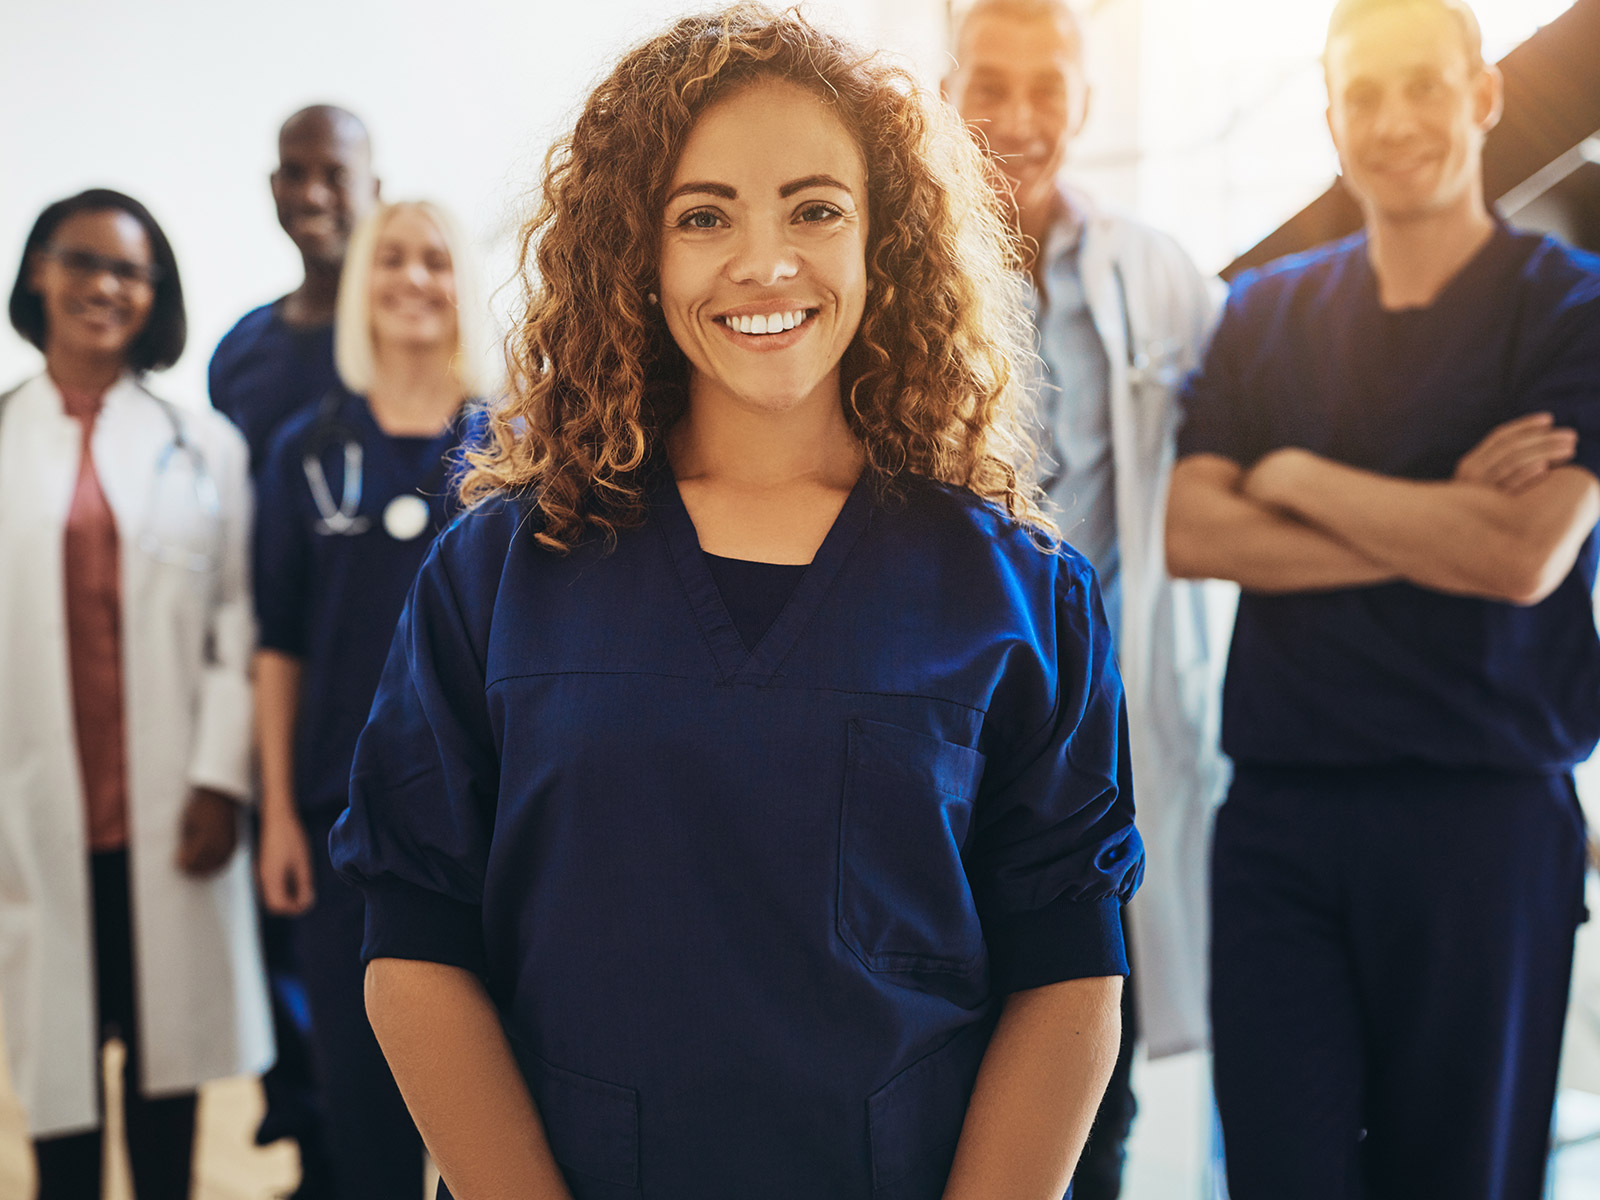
1121	315
1074	397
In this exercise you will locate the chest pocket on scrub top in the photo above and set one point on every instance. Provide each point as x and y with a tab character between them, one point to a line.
905	905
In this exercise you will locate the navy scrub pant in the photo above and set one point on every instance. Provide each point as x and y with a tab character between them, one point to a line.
1391	953
375	1150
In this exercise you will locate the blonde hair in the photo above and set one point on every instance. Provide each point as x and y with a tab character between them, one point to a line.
352	324
932	382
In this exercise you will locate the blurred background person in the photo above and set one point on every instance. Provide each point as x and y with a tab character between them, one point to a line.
1121	314
279	357
277	360
125	640
1393	448
351	495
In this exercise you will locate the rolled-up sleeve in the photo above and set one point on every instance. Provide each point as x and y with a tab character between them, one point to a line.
415	837
282	550
1055	852
220	757
1562	376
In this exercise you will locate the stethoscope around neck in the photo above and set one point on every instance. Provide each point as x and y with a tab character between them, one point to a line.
341	519
405	517
182	489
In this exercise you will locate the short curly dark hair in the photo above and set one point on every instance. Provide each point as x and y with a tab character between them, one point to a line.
160	343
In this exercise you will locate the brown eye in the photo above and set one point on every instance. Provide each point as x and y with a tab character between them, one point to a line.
816	212
699	218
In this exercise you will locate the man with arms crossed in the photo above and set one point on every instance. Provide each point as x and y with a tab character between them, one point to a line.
1393	448
1121	315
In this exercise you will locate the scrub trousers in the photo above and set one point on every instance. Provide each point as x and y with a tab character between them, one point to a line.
374	1147
1391	950
160	1132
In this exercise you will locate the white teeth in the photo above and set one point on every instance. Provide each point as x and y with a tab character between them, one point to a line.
770	323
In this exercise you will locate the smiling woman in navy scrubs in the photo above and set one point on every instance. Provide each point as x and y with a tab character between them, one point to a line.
744	809
349	498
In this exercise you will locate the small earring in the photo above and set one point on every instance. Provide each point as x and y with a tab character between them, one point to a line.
652	298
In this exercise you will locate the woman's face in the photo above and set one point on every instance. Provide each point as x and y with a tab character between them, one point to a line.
763	254
413	297
96	278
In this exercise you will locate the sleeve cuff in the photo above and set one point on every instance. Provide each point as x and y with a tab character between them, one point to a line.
221	756
404	921
280	638
1066	939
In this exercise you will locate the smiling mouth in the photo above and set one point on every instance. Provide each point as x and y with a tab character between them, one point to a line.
98	314
769	323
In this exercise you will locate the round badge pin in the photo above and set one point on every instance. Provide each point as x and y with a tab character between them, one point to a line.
405	517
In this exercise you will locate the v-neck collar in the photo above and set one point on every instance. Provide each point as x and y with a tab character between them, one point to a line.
735	663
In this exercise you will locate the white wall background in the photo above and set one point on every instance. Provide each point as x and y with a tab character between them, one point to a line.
178	102
1206	121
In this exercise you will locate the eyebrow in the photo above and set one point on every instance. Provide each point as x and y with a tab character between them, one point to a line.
725	192
811	181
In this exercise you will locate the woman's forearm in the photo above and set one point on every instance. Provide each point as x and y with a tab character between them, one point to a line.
1038	1088
449	1054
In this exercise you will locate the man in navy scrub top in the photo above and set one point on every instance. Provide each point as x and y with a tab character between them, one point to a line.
1393	447
279	357
744	810
275	362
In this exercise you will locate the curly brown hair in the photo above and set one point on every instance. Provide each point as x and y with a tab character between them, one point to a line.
931	380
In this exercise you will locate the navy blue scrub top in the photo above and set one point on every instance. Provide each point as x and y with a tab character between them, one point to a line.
332	600
748	915
1307	356
264	370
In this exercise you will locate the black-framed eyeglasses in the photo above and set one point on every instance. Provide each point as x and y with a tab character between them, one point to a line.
86	264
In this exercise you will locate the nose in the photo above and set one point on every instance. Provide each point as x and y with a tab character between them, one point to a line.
418	275
103	283
1394	119
316	194
1016	120
763	256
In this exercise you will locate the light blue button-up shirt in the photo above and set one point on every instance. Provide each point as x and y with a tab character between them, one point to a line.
1075	412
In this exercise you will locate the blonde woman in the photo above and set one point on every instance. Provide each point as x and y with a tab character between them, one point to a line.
350	497
744	810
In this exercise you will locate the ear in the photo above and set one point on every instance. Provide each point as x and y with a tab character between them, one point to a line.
1489	98
1084	106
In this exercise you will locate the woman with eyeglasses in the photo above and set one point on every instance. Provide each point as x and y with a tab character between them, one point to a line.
125	640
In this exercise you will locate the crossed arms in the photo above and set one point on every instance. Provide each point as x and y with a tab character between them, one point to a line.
1508	526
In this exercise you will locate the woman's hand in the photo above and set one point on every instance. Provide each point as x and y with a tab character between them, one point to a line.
208	832
283	863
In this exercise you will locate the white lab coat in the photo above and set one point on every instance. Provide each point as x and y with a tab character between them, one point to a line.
1141	286
187	637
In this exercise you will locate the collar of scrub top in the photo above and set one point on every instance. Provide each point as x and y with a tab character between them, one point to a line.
735	663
